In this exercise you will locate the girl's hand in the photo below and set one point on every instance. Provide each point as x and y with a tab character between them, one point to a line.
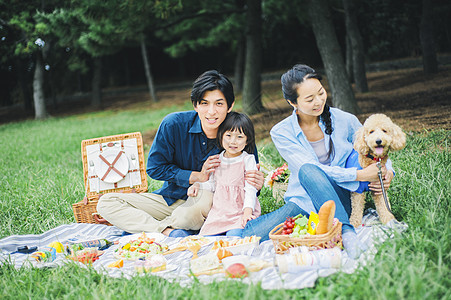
376	185
370	173
193	190
247	216
255	178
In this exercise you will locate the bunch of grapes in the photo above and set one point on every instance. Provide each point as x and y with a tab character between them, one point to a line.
295	226
288	225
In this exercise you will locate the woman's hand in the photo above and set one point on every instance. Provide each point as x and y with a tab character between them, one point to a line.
375	186
255	178
193	190
247	216
208	167
370	173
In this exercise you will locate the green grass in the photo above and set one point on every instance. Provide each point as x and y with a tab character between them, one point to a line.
41	176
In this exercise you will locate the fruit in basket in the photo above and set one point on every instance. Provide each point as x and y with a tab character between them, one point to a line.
295	226
326	217
237	270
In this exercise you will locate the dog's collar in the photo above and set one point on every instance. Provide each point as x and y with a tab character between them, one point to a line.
375	158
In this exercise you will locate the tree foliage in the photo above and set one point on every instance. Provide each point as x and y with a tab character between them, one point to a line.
185	37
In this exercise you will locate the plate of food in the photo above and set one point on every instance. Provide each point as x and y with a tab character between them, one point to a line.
195	240
237	245
151	235
139	246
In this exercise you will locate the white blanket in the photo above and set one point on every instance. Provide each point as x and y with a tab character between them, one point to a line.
371	233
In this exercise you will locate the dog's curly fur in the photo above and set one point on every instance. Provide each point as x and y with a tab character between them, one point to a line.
378	131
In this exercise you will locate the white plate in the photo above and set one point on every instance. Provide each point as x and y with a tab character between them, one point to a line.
101	167
242	247
206	240
152	235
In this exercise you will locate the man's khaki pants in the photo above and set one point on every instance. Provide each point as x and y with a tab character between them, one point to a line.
148	212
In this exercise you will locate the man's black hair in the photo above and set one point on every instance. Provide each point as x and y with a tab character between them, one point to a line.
210	81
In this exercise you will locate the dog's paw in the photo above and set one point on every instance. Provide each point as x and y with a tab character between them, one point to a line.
386	217
355	221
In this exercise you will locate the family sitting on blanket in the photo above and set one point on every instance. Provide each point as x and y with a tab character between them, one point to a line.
316	141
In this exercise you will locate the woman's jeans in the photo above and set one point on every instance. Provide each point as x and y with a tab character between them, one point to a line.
320	188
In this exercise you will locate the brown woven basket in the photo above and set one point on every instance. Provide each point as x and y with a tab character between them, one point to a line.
85	211
278	190
282	242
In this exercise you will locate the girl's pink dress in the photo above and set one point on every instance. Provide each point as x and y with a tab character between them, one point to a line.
227	209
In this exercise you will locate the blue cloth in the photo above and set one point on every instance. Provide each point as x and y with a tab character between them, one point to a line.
353	161
176	233
262	225
180	147
235	232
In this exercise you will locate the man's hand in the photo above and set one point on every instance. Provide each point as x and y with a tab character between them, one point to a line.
375	186
255	178
193	190
208	167
247	216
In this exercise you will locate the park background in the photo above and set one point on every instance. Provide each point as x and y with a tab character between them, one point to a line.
74	70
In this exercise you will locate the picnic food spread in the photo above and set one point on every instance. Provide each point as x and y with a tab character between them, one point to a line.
143	246
232	257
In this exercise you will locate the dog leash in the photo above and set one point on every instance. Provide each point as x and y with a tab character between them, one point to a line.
379	173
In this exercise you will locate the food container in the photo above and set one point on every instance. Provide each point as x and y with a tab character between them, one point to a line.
282	242
110	164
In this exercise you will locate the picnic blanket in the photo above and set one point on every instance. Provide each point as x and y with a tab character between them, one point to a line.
372	233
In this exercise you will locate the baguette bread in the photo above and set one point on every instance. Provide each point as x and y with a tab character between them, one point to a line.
326	217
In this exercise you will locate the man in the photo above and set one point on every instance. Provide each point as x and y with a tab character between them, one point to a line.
184	151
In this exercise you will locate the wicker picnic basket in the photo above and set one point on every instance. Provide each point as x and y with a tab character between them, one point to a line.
282	243
278	190
110	164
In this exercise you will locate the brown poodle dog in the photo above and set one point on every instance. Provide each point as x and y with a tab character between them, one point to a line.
373	141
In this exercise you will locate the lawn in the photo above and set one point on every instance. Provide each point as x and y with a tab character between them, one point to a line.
41	176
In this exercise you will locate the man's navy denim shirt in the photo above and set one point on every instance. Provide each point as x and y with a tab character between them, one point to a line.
179	147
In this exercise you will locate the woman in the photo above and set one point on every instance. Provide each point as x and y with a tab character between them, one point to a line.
316	141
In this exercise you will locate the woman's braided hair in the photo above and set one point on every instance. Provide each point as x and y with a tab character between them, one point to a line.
290	82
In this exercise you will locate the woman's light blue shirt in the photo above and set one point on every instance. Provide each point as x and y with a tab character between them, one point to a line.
296	150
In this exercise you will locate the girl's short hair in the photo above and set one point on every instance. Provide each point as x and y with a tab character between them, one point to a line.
242	123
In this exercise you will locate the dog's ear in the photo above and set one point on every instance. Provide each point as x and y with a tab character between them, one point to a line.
359	142
399	138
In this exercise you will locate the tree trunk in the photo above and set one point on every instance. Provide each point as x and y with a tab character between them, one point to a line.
349	68
327	42
38	88
358	54
252	103
23	83
427	38
239	63
96	100
149	77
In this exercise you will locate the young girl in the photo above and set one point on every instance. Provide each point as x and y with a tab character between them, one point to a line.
235	201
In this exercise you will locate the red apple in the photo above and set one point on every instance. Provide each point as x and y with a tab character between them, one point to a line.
236	270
